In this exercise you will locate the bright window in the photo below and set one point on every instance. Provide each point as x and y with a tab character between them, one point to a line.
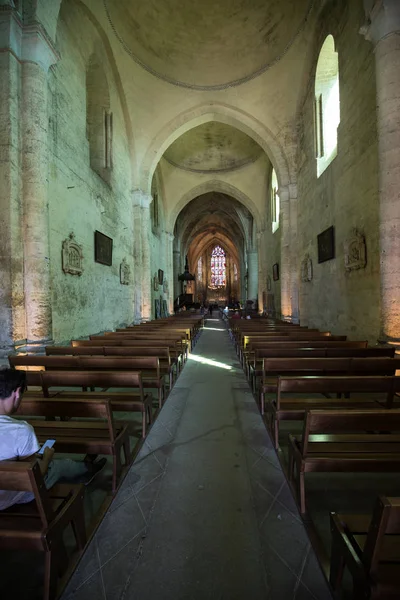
327	105
200	269
275	207
218	267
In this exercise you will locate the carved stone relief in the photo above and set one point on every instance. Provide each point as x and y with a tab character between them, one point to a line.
165	286
124	273
155	282
269	283
72	256
306	268
355	252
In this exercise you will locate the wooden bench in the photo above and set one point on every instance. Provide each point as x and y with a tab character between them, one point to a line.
148	365
120	401
39	525
275	367
255	367
313	393
370	548
96	434
345	441
168	364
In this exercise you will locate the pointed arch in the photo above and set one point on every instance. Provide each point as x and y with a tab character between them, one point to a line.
221	113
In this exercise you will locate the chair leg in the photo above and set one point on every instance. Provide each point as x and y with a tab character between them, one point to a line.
127	451
160	397
144	418
50	575
275	431
302	493
79	528
262	403
337	562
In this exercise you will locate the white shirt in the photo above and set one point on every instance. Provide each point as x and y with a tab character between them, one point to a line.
17	440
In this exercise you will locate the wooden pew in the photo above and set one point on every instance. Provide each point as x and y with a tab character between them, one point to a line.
358	448
148	365
370	548
97	434
40	525
120	401
168	364
181	339
274	367
315	391
255	367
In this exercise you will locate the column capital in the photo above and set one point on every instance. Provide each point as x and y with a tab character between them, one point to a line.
28	43
141	199
382	19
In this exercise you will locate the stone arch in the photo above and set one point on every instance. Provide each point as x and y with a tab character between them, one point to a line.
222	113
213	185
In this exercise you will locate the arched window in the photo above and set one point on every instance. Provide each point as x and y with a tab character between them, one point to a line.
200	269
275	207
218	267
154	206
327	105
99	119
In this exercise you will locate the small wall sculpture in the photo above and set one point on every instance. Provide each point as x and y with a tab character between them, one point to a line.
269	283
306	268
155	282
72	256
165	286
124	273
355	251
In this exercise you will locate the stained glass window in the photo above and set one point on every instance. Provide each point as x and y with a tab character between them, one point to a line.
218	267
200	269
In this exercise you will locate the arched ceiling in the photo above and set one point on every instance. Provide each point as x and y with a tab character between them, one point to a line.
213	147
213	217
208	44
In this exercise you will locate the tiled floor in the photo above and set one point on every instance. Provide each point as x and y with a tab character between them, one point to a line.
205	511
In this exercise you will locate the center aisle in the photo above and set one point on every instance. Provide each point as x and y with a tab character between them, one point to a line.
205	511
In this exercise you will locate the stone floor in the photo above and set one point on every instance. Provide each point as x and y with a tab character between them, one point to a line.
205	511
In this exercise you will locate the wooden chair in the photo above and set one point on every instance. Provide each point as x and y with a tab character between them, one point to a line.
345	441
120	401
91	430
313	392
370	549
40	524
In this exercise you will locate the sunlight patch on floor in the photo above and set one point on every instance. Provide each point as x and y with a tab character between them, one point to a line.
209	361
214	328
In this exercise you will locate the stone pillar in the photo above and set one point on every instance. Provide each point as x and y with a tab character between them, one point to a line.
35	53
142	227
12	307
294	283
169	240
383	29
177	271
284	267
252	261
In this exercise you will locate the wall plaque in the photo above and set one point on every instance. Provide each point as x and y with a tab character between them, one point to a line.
355	251
103	247
306	268
326	245
72	257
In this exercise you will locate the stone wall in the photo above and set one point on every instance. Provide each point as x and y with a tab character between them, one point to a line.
346	194
80	201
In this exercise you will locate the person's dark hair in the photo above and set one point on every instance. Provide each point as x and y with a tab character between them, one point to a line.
10	381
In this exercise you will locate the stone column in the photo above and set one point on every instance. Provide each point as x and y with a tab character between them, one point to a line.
169	240
294	257
383	29
143	276
284	267
252	261
12	307
177	270
36	55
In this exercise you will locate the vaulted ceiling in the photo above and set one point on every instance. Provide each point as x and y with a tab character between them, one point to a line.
211	219
207	44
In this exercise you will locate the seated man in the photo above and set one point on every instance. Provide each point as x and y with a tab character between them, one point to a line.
18	442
